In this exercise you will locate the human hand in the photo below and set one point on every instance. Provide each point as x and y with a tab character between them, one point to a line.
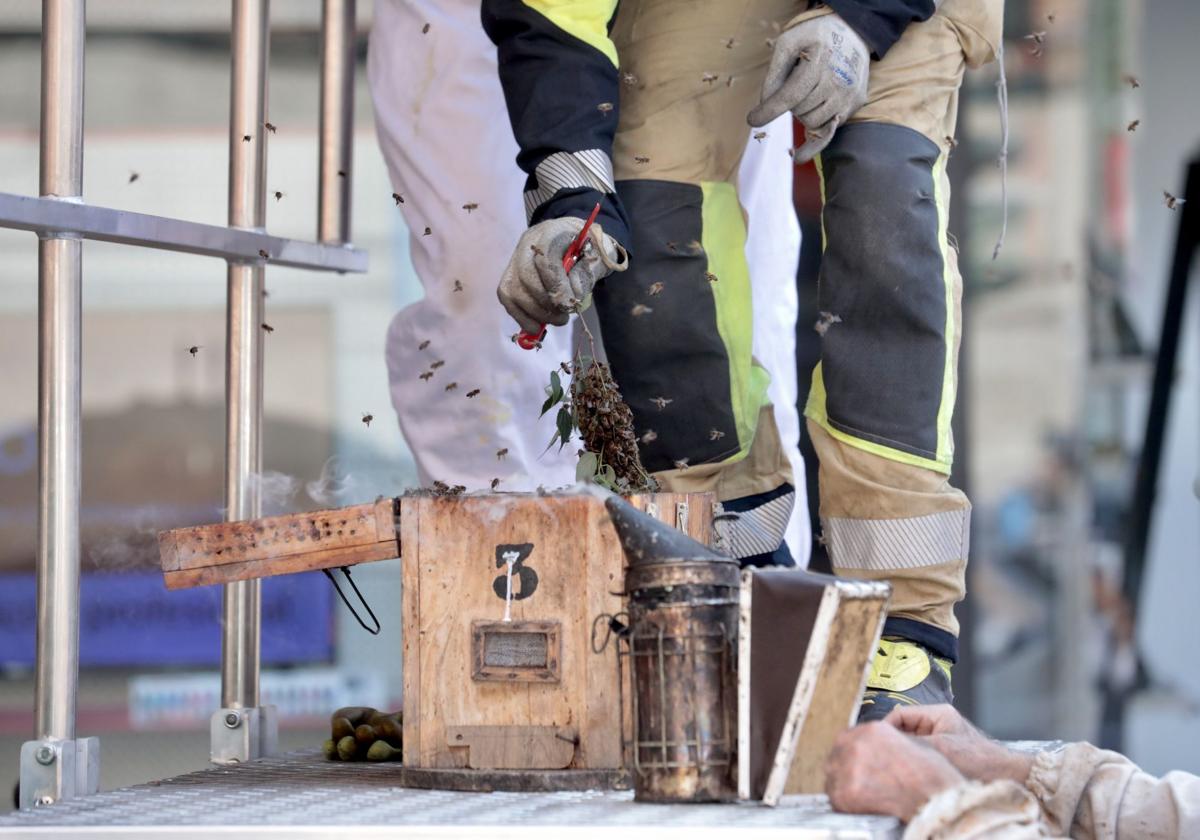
536	290
874	768
972	753
818	71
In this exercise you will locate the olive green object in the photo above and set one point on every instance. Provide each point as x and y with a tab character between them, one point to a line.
389	730
355	714
330	749
383	751
347	748
341	728
364	733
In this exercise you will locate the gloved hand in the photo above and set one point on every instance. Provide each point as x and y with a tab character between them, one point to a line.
818	71
534	287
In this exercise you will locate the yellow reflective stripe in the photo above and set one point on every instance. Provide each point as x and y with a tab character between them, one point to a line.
723	236
945	438
815	410
817	163
586	20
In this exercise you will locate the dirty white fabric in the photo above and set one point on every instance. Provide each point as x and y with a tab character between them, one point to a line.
445	135
1080	791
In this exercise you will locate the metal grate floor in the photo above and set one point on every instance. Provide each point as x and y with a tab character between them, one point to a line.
302	794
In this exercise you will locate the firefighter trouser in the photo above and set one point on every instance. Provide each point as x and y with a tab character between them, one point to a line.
883	395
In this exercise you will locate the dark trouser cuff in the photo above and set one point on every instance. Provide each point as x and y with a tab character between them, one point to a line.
938	641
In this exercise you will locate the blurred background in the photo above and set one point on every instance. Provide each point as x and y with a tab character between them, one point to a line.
1061	640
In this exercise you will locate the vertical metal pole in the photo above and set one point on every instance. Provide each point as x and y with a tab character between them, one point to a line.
337	121
56	765
59	277
237	727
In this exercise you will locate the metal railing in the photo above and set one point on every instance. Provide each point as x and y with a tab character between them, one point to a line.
57	764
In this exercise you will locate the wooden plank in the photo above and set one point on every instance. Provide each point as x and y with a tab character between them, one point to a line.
515	747
275	545
410	601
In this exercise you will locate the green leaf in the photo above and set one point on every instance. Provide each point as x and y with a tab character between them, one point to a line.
585	470
610	476
564	421
554	393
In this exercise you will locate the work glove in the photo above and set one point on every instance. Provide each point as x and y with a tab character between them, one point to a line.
818	71
534	288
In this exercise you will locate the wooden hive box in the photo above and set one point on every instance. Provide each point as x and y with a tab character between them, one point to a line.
528	692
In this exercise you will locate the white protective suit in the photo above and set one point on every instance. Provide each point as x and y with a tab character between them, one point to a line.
445	134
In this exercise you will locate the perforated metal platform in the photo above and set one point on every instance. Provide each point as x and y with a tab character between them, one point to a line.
303	795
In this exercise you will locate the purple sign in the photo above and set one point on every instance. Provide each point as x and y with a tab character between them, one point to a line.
131	619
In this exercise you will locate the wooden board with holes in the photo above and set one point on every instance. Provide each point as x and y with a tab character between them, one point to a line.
275	545
567	570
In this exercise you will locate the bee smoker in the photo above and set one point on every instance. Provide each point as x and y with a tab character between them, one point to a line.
681	647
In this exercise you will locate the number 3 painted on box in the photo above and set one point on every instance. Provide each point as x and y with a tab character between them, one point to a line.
526	577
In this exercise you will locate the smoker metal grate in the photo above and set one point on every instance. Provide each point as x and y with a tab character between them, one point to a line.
272	796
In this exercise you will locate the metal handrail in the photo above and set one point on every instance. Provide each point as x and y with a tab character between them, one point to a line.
58	765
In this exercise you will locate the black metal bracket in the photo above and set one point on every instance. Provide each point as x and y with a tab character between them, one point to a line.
361	600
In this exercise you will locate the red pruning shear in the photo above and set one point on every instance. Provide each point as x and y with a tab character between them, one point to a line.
528	341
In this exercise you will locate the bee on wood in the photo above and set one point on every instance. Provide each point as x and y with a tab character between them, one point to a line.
367	418
662	402
495	483
604	107
640	309
715	434
641	159
709	78
269	127
729	42
1132	81
425	29
133	176
278	195
245	138
195	348
263	253
655	288
458	286
427	375
1172	201
825	321
399	199
501	453
472	394
1133	125
423	344
760	136
729	82
649	436
710	277
268	328
451	386
681	464
469	206
437	364
629	79
428	231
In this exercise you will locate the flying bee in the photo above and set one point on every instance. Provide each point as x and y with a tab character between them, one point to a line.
1050	17
195	348
471	394
710	277
565	368
671	247
715	434
245	138
649	436
662	402
537	252
469	206
760	136
681	464
709	78
133	176
427	375
729	42
437	364
1132	81
495	483
1172	201
428	231
1133	125
695	247
655	288
825	321
399	199
604	107
640	309
1039	42
278	194
629	79
451	386
641	159
367	418
458	286
425	29
268	328
269	127
501	453
263	253
423	344
951	142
